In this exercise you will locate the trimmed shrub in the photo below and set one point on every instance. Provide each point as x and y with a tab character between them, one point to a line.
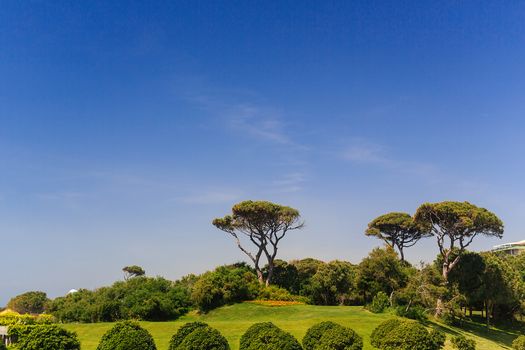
183	332
462	343
314	334
127	335
266	336
331	336
46	337
406	335
340	338
381	332
414	313
2	346
204	338
379	303
519	343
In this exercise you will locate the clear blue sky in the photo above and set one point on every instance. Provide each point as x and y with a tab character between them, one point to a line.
126	127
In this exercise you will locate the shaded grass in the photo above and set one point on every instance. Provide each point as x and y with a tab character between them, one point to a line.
232	321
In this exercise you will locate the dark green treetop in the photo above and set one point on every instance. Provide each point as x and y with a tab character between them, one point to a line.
397	229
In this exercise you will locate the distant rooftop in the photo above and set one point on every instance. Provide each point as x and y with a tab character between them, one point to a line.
511	248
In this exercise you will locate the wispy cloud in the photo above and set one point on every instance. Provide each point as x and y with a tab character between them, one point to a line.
365	152
288	183
211	197
260	122
361	151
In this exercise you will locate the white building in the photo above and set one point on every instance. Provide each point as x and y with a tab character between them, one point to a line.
510	248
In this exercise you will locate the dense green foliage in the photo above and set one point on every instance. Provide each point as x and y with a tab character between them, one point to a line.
380	271
405	335
462	343
331	336
29	303
127	335
44	337
224	285
204	338
12	318
332	283
266	336
519	343
144	298
314	334
2	346
379	303
183	332
380	333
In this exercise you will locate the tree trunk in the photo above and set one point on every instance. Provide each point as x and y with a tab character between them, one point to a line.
270	273
260	276
439	307
487	314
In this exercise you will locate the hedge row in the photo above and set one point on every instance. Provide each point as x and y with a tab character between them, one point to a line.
390	335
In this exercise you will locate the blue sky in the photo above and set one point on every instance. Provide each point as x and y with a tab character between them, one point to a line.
126	127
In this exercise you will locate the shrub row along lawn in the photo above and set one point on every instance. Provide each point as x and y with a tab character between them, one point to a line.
232	321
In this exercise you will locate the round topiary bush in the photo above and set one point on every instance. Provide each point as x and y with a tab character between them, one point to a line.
266	336
127	335
48	337
314	334
462	343
340	338
519	343
331	336
183	332
405	335
204	338
381	332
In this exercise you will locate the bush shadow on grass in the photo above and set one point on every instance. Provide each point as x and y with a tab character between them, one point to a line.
503	337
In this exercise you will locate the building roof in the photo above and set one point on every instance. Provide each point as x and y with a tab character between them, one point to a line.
513	245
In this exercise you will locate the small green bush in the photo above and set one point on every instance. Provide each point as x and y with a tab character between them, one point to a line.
47	337
519	343
331	336
462	343
414	313
127	335
379	303
381	332
405	335
2	346
266	336
183	332
204	338
314	334
340	338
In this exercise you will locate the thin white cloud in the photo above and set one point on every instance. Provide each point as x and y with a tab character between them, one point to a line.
365	152
210	197
288	183
259	122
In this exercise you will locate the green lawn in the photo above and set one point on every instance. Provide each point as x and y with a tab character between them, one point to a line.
233	320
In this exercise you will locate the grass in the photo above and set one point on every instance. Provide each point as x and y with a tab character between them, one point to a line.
233	320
